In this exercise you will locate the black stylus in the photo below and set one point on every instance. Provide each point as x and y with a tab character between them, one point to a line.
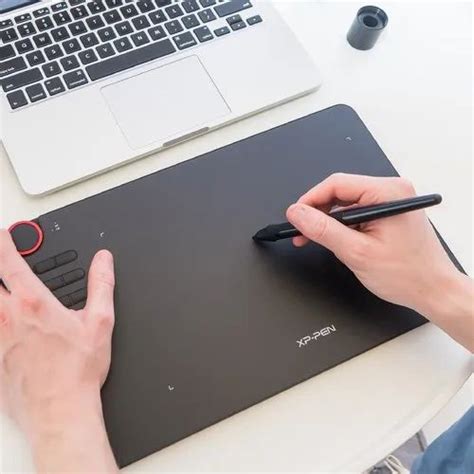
353	216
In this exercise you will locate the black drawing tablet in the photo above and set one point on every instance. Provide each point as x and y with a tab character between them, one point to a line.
207	321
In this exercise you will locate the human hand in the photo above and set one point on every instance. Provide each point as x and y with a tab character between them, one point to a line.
53	362
399	258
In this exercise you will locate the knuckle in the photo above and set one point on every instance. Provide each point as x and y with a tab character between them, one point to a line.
406	186
337	177
30	303
319	228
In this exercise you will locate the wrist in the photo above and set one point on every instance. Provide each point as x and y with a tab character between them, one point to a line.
54	418
450	305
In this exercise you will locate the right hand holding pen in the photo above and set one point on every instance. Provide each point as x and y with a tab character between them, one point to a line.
399	258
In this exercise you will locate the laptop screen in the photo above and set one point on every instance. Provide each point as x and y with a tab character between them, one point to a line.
8	5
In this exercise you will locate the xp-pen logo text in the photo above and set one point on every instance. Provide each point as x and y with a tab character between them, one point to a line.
328	330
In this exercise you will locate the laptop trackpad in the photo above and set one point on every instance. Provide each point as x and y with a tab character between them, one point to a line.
165	103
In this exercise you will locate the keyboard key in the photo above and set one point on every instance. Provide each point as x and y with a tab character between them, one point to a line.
89	39
130	59
233	19
6	52
139	39
112	16
95	22
190	21
162	3
59	6
96	6
60	34
44	23
173	27
107	34
11	66
5	24
88	56
73	3
190	6
35	58
122	44
23	46
40	12
53	52
174	11
157	17
77	28
207	3
54	86
114	3
24	78
128	11
17	99
238	26
61	18
75	79
8	35
36	92
157	33
140	22
105	50
69	62
44	266
79	12
203	34
186	40
51	69
71	46
229	8
206	15
145	5
124	28
41	40
22	18
26	29
253	20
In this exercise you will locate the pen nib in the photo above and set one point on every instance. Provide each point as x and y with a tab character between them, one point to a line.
263	235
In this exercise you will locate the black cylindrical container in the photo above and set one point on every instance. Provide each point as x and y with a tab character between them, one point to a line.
366	28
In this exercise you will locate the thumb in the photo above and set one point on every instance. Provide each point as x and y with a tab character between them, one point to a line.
100	287
323	229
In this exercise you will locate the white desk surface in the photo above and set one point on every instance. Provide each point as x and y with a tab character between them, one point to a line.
414	92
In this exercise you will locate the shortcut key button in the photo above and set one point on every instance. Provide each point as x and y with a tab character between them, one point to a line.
73	276
44	266
65	257
78	296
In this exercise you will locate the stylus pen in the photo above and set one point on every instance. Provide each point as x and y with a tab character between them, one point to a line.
353	216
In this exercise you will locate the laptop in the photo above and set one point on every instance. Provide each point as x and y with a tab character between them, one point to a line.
90	85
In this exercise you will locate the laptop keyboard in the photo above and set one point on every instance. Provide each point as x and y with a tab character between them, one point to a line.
58	48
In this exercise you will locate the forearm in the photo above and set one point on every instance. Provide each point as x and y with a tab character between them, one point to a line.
71	438
451	307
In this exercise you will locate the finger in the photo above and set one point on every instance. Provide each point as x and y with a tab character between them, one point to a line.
347	188
323	229
100	288
300	241
14	271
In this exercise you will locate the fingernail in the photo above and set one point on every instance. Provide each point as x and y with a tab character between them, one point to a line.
296	209
105	256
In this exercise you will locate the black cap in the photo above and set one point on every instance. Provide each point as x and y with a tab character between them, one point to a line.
366	28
